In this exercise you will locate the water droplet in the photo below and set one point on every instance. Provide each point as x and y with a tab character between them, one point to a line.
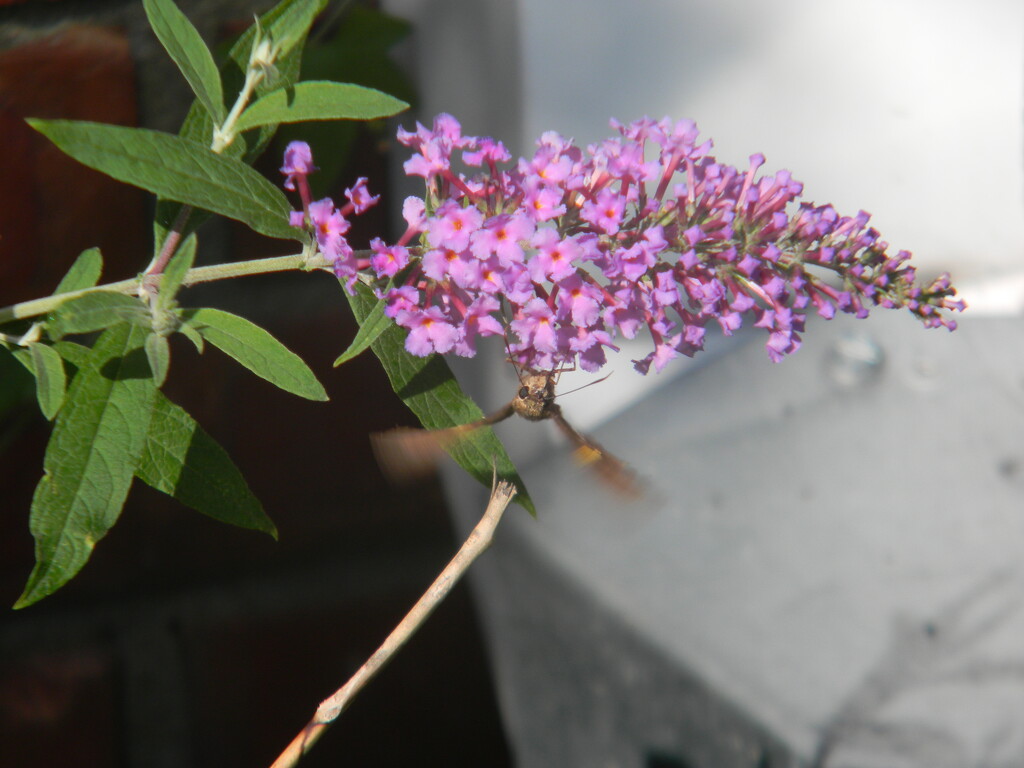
854	360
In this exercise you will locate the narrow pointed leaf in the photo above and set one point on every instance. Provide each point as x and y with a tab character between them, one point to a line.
72	353
257	350
192	335
96	311
48	368
320	101
92	455
158	354
184	45
23	356
183	461
370	329
175	271
176	169
427	386
288	23
84	273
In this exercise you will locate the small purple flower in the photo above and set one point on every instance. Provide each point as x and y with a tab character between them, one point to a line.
429	331
626	311
452	226
490	152
556	258
360	196
330	227
388	260
401	301
605	212
436	263
543	202
578	302
535	326
478	321
435	147
414	213
502	236
298	162
665	292
589	345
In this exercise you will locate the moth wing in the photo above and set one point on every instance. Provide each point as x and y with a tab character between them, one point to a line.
610	470
405	454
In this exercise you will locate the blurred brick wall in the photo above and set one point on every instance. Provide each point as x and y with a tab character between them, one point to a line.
183	641
52	208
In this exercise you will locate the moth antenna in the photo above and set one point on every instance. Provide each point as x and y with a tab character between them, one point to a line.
588	384
508	352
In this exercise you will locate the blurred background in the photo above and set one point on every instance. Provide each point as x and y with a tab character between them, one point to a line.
825	571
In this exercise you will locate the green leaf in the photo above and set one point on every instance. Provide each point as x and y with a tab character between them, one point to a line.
192	335
427	386
183	461
175	271
320	101
281	21
290	25
96	311
370	329
158	354
257	350
48	368
176	169
23	356
72	353
95	447
186	48
84	273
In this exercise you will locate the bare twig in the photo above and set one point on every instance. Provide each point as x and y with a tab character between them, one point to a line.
329	710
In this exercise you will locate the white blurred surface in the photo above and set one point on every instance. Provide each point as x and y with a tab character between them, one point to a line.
836	545
909	110
822	539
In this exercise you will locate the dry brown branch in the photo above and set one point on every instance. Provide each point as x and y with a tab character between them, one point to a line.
476	543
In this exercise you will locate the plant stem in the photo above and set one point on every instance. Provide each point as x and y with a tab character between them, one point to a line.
195	276
224	134
477	542
171	241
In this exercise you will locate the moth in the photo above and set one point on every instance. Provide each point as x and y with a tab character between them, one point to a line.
406	453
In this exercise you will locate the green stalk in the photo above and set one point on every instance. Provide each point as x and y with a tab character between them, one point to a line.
195	276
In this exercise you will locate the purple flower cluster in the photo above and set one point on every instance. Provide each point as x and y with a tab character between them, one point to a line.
564	251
